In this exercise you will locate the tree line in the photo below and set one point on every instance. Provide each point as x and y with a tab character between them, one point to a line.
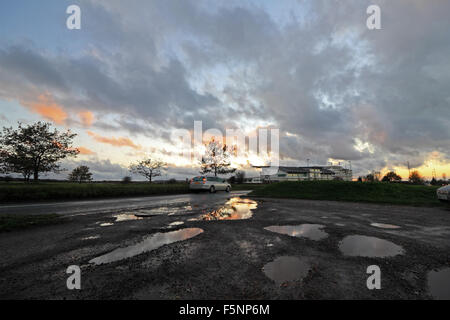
35	149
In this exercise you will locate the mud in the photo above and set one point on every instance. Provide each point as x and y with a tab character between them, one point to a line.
229	258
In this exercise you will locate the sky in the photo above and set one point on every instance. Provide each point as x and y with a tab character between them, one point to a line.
138	70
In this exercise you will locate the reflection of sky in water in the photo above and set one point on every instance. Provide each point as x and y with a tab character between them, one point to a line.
126	217
106	224
384	225
284	269
149	243
176	223
310	231
91	237
234	209
368	247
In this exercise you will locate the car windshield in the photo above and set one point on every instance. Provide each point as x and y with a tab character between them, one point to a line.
198	179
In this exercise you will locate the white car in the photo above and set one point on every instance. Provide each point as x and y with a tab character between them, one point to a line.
211	184
443	193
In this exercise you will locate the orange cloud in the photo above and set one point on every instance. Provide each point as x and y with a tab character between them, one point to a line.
47	108
117	142
85	151
86	117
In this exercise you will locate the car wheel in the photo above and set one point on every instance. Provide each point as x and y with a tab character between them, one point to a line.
228	189
212	189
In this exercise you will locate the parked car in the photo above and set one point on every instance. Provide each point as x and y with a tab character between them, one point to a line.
211	184
443	193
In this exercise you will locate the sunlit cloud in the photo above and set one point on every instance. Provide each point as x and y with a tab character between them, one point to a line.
86	117
48	109
116	142
85	151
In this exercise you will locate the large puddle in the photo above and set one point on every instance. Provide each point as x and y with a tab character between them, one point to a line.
439	284
310	231
384	225
369	247
286	268
234	209
149	243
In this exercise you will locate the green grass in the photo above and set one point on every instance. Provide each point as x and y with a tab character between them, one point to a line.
17	222
246	186
20	192
389	193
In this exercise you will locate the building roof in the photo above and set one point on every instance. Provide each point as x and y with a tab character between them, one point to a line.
323	170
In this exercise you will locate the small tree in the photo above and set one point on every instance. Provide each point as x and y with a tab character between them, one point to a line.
80	174
415	177
126	179
149	168
369	178
391	176
216	159
34	149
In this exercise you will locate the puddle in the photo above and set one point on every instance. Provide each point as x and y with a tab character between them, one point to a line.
234	209
310	231
126	217
286	268
106	224
385	225
149	243
439	284
91	237
176	223
369	247
151	212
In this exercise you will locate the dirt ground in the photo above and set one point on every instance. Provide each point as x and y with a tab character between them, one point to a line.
226	260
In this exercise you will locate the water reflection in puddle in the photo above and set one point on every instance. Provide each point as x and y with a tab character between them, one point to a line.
284	269
384	225
151	212
369	247
126	217
439	284
91	237
176	223
234	209
149	243
310	231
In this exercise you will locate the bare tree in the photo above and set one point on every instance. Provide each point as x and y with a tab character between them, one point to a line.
34	149
148	168
216	159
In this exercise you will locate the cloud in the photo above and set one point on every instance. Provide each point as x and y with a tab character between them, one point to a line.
116	142
85	151
48	109
317	73
87	118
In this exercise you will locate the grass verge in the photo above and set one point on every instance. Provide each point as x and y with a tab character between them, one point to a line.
21	192
17	222
388	193
46	191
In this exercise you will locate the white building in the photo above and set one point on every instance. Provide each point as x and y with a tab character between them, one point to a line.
308	173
